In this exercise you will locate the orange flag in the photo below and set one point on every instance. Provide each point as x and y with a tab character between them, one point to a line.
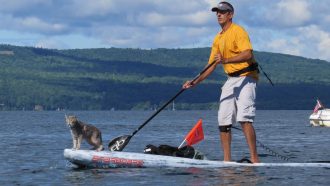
196	134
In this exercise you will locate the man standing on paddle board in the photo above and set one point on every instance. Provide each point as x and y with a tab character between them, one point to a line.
232	48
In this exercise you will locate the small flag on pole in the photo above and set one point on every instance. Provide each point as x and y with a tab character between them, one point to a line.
195	135
318	106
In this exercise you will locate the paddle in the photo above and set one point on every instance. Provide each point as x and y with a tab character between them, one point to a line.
119	143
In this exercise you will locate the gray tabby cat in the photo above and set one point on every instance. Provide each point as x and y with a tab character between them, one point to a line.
80	131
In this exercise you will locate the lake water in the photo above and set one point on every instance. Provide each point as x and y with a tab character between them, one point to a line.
32	145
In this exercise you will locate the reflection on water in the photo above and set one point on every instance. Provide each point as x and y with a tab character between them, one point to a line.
177	176
245	175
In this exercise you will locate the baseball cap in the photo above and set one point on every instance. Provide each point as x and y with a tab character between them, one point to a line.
223	6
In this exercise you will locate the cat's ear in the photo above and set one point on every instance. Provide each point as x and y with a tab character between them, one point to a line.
66	117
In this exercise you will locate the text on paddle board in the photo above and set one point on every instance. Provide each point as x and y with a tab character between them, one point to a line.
118	161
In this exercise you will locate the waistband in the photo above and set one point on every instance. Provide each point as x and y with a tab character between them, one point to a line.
250	68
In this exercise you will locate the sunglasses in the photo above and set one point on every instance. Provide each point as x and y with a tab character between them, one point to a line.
222	11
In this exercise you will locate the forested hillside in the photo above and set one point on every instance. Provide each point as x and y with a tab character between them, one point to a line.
113	78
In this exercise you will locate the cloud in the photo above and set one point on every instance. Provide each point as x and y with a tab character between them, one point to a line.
159	37
154	19
309	41
327	19
317	41
274	13
285	46
289	13
35	23
14	6
273	25
31	24
89	8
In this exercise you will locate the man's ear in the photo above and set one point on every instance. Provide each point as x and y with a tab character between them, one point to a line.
231	14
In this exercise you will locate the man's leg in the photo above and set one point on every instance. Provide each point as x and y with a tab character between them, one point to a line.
227	116
246	113
250	137
225	138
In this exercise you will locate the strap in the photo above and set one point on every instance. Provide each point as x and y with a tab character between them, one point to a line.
270	81
250	68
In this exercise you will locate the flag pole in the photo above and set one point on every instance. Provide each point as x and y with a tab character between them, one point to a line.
182	143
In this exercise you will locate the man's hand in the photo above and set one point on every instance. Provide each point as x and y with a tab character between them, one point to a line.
188	84
218	58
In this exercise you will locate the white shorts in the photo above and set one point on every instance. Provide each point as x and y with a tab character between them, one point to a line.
237	101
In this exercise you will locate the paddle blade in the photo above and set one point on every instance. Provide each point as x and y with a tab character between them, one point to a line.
119	143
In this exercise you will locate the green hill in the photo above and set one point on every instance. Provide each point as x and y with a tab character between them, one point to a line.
100	79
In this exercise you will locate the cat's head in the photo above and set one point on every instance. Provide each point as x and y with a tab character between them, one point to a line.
71	120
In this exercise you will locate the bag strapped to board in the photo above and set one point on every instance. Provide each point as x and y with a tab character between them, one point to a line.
250	68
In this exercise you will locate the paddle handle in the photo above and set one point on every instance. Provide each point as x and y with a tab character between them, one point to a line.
173	98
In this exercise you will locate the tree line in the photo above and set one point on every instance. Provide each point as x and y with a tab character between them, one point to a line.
114	78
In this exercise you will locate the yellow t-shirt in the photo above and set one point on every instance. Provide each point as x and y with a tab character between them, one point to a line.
231	43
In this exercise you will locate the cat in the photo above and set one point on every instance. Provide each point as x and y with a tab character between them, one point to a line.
80	131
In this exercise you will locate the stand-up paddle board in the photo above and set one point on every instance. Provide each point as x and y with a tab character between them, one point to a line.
115	159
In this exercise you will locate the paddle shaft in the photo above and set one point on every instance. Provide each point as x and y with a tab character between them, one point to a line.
173	98
158	111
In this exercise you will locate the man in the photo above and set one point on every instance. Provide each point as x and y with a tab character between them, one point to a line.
232	48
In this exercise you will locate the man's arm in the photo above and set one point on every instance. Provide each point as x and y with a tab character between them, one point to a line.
203	76
246	55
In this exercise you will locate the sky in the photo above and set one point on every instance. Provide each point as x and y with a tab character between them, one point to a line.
296	27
